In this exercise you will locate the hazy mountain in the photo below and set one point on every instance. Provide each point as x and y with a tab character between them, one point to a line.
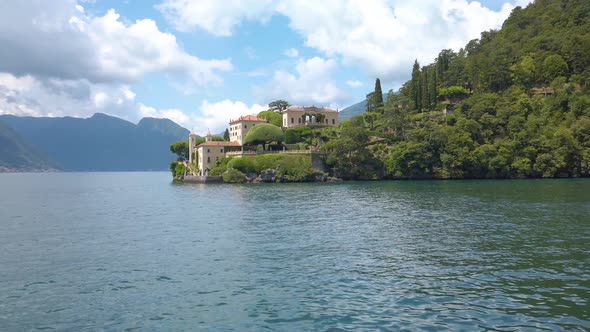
16	154
101	142
356	109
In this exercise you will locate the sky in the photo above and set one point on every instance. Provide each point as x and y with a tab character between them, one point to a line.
203	62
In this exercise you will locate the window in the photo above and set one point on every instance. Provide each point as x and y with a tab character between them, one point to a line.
333	121
245	126
299	120
208	150
221	150
292	120
208	160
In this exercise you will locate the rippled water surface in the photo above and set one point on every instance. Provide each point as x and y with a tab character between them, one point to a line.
125	251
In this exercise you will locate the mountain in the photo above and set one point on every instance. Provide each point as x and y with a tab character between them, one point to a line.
16	154
101	142
354	110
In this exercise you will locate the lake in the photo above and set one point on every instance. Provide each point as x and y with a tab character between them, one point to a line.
133	251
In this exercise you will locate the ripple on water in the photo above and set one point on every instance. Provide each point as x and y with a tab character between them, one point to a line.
131	252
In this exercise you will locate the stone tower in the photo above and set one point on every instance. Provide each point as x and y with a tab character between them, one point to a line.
209	137
191	145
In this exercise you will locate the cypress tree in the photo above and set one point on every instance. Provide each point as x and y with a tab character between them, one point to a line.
416	86
378	96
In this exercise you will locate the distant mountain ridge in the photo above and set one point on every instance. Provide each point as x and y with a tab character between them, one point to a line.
16	154
101	142
355	109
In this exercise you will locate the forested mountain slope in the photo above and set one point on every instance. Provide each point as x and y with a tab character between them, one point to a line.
514	103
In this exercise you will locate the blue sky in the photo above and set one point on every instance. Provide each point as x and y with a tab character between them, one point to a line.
203	62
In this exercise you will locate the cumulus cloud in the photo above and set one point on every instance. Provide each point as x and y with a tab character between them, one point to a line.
382	36
57	60
30	96
311	83
58	40
173	114
215	116
216	17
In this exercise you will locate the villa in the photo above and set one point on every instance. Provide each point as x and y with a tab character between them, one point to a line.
210	152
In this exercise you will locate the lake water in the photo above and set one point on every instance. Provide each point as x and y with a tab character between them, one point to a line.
126	251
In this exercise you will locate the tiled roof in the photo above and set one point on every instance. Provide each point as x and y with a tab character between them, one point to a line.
247	118
219	143
311	109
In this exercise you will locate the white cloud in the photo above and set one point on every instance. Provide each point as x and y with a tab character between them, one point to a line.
58	60
32	96
58	40
216	116
382	36
216	17
354	83
100	99
173	114
291	52
312	83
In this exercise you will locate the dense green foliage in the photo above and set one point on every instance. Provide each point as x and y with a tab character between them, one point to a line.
513	103
289	168
177	169
233	176
180	149
278	105
263	134
272	117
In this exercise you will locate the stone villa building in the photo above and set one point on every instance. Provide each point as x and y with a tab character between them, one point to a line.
209	152
296	116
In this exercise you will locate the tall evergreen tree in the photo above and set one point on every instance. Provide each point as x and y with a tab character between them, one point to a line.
378	96
416	87
226	135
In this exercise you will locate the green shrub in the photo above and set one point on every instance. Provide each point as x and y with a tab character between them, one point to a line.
234	176
244	164
292	136
178	172
263	134
218	170
173	167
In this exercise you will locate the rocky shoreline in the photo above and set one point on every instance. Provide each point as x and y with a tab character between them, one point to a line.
273	175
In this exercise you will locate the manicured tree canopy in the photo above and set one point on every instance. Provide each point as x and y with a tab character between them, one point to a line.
264	133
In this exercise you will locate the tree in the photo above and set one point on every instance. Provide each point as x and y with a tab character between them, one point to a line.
180	148
378	96
374	99
553	67
226	135
263	134
278	105
416	87
272	117
523	73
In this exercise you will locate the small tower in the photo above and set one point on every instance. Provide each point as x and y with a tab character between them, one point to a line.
191	145
209	137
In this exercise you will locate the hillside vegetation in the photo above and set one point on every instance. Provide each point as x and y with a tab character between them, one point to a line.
513	104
